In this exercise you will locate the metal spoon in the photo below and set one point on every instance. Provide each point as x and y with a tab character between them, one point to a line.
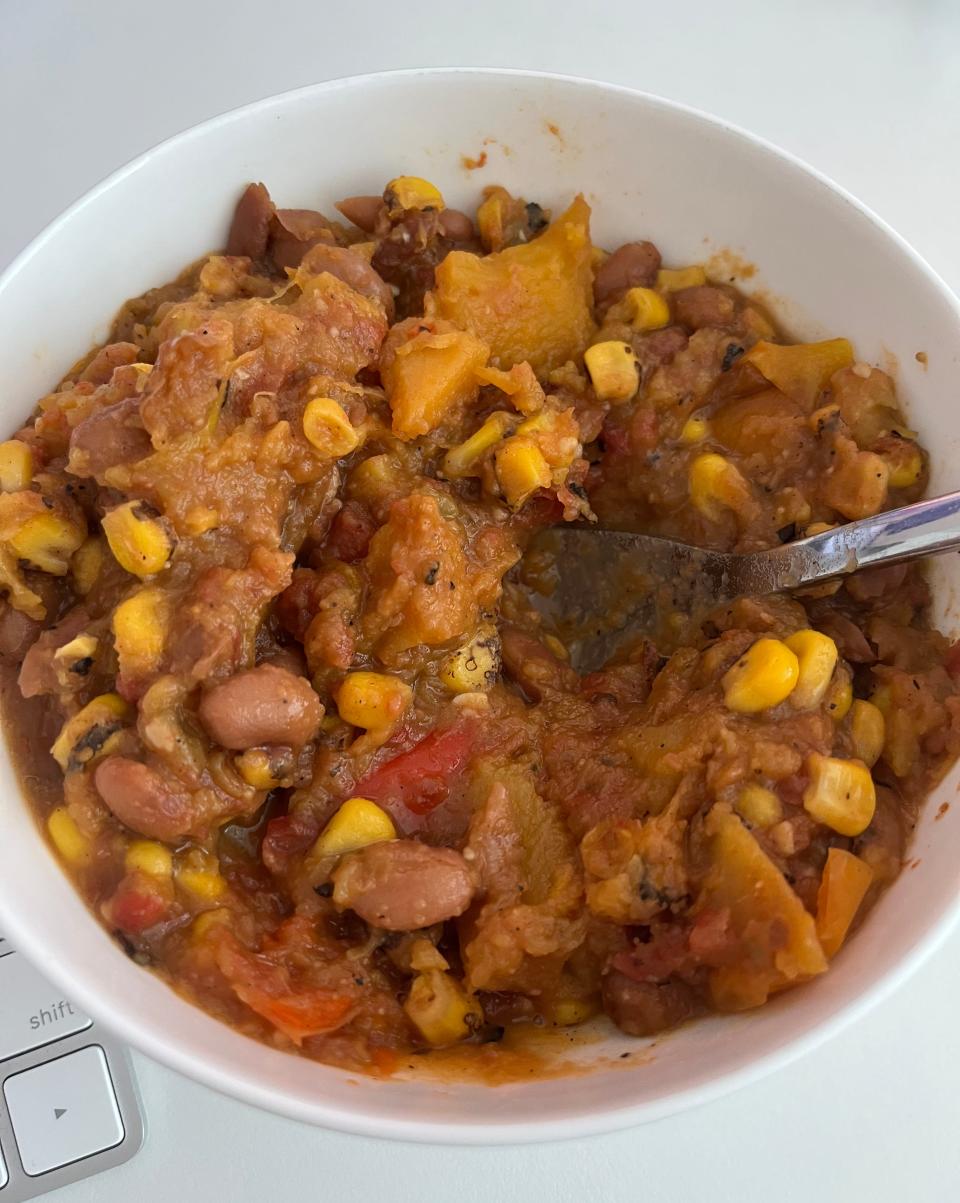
604	587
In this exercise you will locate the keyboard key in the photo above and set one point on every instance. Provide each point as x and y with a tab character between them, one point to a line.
3	1171
32	1012
63	1110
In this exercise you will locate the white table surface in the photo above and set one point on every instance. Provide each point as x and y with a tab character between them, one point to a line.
868	91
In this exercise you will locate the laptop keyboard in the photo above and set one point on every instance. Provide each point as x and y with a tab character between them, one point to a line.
68	1103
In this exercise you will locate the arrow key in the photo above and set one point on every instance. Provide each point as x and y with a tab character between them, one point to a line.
63	1110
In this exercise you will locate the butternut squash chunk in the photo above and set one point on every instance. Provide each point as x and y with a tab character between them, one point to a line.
846	879
802	371
529	302
431	378
777	937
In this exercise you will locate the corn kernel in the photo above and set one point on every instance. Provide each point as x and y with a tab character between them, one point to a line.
411	192
328	429
460	460
544	421
140	543
759	806
356	824
86	563
841	793
817	654
882	698
47	541
473	666
16	466
374	702
72	844
649	311
673	279
695	430
555	646
783	837
715	485
255	768
905	467
839	696
521	469
70	655
150	857
425	955
201	518
818	528
140	626
14	586
491	215
764	676
88	732
567	1012
206	921
439	1007
868	730
199	874
614	370
822	417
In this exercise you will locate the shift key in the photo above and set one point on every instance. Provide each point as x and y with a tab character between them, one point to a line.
32	1011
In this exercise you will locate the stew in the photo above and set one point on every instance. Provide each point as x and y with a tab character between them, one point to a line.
278	689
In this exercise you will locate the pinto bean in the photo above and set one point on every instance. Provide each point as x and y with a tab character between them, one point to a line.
352	269
361	210
110	436
660	346
873	584
250	227
293	232
850	640
456	226
263	705
139	797
645	1008
704	305
403	885
534	667
633	265
17	634
115	355
38	674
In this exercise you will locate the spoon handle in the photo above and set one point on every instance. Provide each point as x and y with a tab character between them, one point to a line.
925	528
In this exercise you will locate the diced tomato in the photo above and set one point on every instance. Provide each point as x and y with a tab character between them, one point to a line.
134	910
712	938
543	509
265	987
666	953
420	779
298	1015
351	532
287	837
615	438
643	431
384	1060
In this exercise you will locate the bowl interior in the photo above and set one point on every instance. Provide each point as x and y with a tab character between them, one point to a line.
698	189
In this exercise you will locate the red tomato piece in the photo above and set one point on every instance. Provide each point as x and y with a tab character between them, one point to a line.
286	838
420	778
298	1016
351	532
134	910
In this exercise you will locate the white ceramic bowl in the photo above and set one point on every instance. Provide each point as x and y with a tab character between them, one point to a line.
650	169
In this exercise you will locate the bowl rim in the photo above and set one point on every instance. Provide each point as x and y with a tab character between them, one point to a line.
121	1022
